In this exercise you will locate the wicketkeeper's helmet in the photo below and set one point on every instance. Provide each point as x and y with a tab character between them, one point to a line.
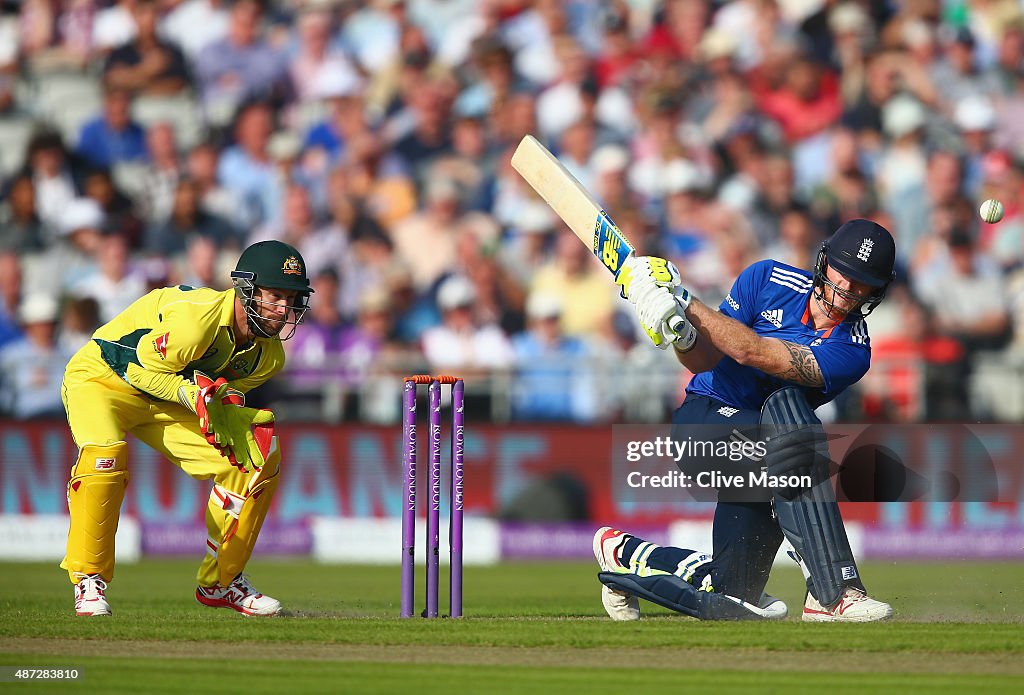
273	265
863	251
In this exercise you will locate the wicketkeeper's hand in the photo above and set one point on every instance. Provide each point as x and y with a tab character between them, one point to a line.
243	435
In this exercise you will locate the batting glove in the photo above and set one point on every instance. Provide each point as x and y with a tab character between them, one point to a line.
638	271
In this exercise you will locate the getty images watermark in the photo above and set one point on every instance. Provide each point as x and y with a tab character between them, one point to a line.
657	467
736	448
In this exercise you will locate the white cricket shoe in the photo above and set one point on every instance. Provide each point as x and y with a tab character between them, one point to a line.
774	608
854	607
618	604
91	596
240	596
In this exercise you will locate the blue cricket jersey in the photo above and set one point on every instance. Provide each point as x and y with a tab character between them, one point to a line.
773	299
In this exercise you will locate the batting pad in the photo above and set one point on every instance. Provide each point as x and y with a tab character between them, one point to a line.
669	591
809	517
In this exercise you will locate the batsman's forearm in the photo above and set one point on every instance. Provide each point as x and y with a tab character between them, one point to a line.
702	357
727	335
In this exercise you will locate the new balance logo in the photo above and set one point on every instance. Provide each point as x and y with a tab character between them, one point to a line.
727	411
773	316
849	572
816	342
732	302
865	250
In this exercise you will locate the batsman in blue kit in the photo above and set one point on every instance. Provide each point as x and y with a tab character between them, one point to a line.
783	342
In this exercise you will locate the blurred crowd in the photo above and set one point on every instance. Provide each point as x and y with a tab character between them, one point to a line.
145	142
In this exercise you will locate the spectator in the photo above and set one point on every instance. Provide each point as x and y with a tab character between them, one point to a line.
799	239
114	283
56	175
32	368
431	134
247	170
10	296
73	257
492	63
56	36
968	295
913	207
113	136
195	24
582	284
807	103
314	58
242	66
201	166
160	178
552	379
315	352
346	115
20	228
321	247
425	241
79	319
364	342
10	45
202	265
975	116
186	222
459	343
958	73
118	209
145	64
115	25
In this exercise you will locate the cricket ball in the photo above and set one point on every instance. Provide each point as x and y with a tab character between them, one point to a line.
991	211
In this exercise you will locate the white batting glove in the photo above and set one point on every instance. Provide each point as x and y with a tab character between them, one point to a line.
639	270
662	314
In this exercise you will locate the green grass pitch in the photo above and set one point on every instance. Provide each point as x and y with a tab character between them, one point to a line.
529	627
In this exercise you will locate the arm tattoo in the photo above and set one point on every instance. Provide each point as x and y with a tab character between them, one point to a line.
802	367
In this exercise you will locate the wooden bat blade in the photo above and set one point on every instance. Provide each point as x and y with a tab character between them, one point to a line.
571	202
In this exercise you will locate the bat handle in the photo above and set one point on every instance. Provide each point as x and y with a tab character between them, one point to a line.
675	322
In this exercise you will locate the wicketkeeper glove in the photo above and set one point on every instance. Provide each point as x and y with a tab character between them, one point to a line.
244	435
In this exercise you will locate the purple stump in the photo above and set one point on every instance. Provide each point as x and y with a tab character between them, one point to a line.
434	508
408	497
458	479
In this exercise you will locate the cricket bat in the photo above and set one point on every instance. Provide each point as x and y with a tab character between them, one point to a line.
574	204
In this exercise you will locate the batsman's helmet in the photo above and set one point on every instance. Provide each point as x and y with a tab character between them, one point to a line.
863	251
273	265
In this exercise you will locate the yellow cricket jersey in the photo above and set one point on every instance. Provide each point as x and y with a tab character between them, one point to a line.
159	342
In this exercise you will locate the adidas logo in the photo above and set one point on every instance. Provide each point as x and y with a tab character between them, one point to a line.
727	411
773	316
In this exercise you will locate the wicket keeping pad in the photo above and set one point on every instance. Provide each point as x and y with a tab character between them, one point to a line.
249	513
809	517
672	592
95	492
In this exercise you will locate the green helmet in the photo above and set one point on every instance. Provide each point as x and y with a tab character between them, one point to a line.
274	265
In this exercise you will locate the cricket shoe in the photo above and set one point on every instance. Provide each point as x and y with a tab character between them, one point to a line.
91	596
774	608
239	596
618	604
854	607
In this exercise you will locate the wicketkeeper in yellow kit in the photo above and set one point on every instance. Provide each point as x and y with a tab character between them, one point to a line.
172	370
